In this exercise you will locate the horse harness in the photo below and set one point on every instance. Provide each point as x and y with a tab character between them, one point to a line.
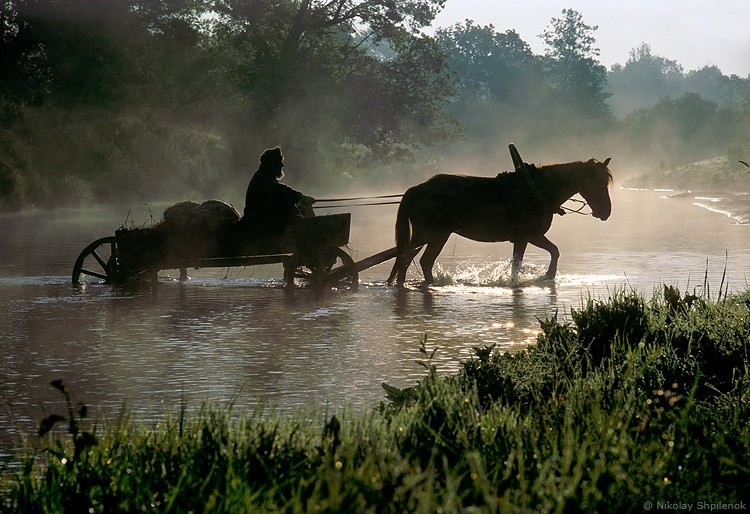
523	168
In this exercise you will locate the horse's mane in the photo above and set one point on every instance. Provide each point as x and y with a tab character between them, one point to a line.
576	165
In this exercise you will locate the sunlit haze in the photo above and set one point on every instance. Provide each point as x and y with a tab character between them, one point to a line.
694	33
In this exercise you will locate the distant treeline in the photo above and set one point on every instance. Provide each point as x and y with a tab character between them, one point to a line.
144	99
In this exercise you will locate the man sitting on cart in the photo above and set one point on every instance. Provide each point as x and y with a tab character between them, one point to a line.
269	204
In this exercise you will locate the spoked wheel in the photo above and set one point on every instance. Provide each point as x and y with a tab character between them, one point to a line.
98	260
335	269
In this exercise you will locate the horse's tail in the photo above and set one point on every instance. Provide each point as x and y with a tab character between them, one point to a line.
403	238
403	228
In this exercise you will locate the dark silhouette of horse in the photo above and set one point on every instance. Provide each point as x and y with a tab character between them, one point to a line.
513	206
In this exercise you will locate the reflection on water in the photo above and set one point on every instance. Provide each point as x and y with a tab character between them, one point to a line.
214	338
235	334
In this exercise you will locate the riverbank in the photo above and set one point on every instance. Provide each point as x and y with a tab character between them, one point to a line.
637	402
715	184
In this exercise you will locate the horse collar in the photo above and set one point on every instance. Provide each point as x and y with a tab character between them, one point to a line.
523	169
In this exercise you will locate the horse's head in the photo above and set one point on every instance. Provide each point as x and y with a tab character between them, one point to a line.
595	190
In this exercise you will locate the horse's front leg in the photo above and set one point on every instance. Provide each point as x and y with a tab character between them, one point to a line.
545	244
519	249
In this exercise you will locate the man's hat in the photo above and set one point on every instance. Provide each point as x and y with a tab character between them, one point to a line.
271	155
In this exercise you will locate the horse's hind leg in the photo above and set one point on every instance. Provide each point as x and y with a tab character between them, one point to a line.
545	244
401	266
429	256
394	269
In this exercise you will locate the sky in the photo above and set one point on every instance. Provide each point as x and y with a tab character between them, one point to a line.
695	33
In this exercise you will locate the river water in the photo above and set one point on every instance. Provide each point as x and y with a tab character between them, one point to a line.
234	334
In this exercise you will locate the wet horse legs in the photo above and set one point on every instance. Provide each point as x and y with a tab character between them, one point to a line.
401	265
427	261
518	250
545	244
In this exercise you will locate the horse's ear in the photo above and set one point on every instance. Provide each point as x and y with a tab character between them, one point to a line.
606	161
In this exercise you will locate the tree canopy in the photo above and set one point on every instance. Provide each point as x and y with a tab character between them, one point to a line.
489	65
124	99
334	77
573	69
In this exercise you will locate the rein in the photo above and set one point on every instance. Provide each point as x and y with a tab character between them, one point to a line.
579	209
355	199
340	202
354	205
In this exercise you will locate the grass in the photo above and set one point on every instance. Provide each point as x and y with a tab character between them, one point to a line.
632	401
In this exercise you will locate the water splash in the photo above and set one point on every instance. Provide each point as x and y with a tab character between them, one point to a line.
501	275
491	274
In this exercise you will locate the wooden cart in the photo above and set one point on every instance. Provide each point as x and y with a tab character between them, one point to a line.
310	249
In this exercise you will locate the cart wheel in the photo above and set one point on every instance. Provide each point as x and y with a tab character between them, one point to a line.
99	260
338	270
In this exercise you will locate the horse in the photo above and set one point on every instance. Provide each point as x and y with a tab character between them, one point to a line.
513	206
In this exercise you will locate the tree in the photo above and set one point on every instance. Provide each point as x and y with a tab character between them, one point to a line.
396	105
153	97
740	145
24	74
357	72
643	81
289	41
489	65
682	129
572	66
712	84
66	50
61	71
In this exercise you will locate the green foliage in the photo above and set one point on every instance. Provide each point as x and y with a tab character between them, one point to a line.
120	81
599	323
505	91
627	407
574	71
643	80
488	65
646	78
676	117
691	119
123	100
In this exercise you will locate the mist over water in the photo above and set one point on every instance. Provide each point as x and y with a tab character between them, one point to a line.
233	333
